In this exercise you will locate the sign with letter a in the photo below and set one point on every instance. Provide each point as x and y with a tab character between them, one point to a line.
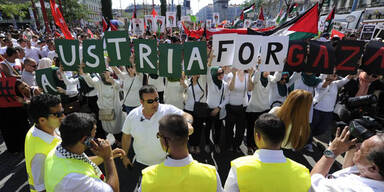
195	58
45	80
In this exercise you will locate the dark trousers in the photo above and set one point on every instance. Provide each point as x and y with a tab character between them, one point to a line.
195	138
214	123
14	127
136	169
321	123
251	118
235	116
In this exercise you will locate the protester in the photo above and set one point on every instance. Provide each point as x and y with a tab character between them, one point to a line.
46	113
260	171
179	171
236	117
196	92
68	168
174	91
28	74
295	114
280	86
7	66
159	83
132	82
110	114
363	165
142	124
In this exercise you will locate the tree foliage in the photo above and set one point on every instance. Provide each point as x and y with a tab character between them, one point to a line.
163	7
74	11
11	9
106	9
258	3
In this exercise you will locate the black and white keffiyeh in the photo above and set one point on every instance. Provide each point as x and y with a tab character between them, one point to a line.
82	157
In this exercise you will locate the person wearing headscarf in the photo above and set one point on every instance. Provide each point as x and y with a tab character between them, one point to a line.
218	97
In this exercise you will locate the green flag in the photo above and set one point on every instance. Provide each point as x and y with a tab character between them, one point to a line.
118	47
195	58
68	52
170	60
45	80
93	56
146	55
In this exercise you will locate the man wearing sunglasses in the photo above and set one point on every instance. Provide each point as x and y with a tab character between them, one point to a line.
179	171
142	124
46	113
28	75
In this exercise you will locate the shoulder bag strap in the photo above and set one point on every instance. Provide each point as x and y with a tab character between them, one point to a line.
201	90
129	89
222	93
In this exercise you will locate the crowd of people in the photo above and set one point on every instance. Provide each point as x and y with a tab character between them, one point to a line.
166	121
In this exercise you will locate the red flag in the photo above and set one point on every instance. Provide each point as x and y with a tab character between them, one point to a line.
59	20
90	33
154	13
308	23
242	16
105	25
261	14
338	33
113	27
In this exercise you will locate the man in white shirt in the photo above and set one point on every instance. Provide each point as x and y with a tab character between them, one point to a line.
28	74
261	171
32	52
363	166
179	167
142	124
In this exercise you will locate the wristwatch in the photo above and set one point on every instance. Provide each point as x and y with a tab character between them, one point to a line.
329	153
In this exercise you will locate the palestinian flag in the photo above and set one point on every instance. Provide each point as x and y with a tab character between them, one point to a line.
247	10
236	22
301	27
261	14
292	8
277	20
328	21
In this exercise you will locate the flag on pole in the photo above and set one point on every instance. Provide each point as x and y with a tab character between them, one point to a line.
247	10
113	27
261	14
90	33
328	21
59	19
279	17
301	27
105	25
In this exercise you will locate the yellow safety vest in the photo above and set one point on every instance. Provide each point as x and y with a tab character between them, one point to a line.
57	168
190	178
36	145
254	175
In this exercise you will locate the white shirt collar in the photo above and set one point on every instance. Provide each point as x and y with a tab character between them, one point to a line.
169	162
43	135
270	156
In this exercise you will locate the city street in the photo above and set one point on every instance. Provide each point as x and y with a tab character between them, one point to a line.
13	176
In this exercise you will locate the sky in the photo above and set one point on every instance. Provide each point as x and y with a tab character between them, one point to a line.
195	4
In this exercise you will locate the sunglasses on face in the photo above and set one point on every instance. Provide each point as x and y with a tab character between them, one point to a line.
33	66
58	114
150	101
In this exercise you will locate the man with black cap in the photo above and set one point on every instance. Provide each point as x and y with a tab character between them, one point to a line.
179	172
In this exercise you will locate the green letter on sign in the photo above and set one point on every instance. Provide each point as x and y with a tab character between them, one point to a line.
68	51
44	79
118	47
195	58
93	56
170	60
145	56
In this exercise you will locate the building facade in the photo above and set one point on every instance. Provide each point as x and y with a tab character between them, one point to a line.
94	7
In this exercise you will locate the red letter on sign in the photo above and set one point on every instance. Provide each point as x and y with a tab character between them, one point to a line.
379	53
355	50
299	57
323	52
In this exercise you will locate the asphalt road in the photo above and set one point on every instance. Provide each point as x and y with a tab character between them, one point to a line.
13	176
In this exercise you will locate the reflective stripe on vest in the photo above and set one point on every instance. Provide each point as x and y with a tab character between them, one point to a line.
57	168
33	146
190	178
254	175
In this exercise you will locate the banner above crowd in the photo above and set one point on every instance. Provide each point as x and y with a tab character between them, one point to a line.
276	53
